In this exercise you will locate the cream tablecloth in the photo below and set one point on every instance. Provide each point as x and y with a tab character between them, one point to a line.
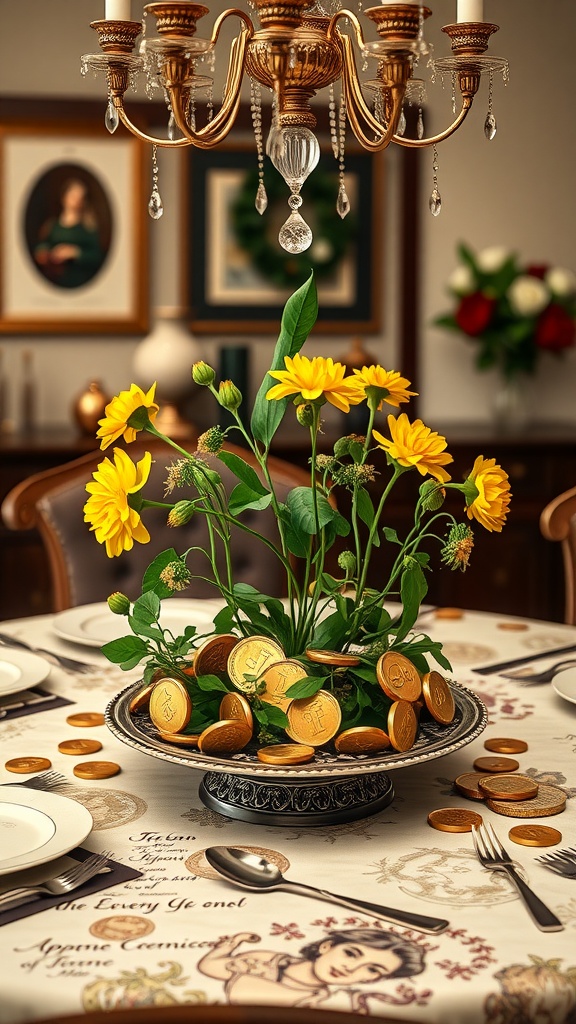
176	935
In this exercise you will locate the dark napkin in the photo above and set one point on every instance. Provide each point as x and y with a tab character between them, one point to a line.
47	702
117	874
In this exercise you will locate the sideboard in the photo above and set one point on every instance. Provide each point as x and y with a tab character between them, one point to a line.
516	572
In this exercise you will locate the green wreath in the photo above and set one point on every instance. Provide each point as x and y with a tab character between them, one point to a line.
258	235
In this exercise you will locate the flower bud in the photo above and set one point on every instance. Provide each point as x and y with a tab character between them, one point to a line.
458	547
229	395
181	513
347	562
433	495
305	415
211	441
203	374
119	603
176	575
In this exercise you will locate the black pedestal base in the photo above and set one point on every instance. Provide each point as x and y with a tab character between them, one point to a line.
296	802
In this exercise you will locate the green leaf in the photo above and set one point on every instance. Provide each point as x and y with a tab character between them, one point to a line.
413	589
224	621
296	543
243	497
391	535
246	592
151	579
146	608
243	471
306	687
298	319
271	715
210	682
329	633
125	648
300	501
356	451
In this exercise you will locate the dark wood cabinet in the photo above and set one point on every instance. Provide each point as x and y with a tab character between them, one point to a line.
516	572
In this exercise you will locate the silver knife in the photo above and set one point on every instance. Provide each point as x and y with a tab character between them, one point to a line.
57	659
26	699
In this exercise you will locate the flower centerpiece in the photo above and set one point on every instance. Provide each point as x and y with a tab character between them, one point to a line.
334	625
512	312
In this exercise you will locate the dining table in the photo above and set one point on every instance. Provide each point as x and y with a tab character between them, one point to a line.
161	927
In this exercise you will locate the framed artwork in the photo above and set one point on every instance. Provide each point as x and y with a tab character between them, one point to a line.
237	276
73	239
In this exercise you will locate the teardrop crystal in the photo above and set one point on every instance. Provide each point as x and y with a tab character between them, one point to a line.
435	202
342	202
111	120
261	201
401	124
295	236
172	127
294	151
490	126
155	206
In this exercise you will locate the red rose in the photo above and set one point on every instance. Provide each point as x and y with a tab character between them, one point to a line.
538	270
474	313
555	329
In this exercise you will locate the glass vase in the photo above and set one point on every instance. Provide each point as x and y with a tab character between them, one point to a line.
511	405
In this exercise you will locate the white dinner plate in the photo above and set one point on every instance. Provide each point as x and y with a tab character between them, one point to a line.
94	624
37	827
565	684
19	670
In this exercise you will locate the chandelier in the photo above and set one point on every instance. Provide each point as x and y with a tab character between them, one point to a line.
293	48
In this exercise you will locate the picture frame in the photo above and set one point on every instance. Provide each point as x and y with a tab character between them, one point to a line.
73	229
237	277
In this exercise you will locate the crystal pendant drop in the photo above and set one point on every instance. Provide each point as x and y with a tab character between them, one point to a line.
261	201
342	202
172	127
111	119
435	202
295	236
294	151
490	126
155	206
401	123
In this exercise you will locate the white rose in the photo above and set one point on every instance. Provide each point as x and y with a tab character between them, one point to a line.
492	259
528	295
461	280
561	281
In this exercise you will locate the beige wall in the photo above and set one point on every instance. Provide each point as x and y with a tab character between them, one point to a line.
516	191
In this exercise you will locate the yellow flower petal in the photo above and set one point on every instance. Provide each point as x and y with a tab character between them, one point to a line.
119	410
114	523
415	446
490	507
315	379
388	380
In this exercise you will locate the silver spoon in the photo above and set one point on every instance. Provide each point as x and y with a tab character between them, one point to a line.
250	871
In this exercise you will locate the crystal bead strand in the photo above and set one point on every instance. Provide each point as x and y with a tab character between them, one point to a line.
453	92
332	120
435	201
420	124
155	206
192	110
342	202
490	122
210	103
261	201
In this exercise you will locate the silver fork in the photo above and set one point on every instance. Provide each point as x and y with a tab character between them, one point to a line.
539	677
62	660
69	880
493	856
563	862
45	781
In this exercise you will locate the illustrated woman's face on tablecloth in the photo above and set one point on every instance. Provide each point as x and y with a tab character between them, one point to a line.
354	963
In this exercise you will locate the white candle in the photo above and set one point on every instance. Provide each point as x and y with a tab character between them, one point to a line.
117	10
470	10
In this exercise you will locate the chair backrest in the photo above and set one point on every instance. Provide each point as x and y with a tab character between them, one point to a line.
558	522
82	573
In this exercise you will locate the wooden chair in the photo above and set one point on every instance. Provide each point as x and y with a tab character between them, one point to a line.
81	572
558	522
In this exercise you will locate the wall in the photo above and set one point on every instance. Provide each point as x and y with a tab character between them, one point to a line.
515	191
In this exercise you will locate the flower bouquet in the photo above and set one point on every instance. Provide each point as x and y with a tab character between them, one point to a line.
512	312
338	661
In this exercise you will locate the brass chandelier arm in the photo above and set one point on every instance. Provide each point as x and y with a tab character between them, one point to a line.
134	130
362	121
433	139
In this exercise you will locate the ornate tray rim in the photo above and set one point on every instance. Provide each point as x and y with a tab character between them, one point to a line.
473	720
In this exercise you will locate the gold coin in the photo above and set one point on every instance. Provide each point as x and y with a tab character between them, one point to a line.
122	927
251	656
142	698
225	737
212	656
234	707
86	719
336	658
96	769
170	705
454	819
491	765
549	800
23	765
438	697
286	753
467	784
448	613
508	787
535	835
79	746
398	677
314	720
502	745
512	627
278	678
183	739
362	739
402	725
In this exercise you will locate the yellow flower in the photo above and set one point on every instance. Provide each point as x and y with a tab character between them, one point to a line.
313	379
385	380
415	446
107	510
490	506
119	411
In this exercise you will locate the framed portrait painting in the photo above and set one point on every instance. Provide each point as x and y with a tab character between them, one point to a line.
238	277
73	244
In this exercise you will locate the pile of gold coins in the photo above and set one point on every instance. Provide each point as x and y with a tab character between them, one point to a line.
74	748
257	667
497	783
